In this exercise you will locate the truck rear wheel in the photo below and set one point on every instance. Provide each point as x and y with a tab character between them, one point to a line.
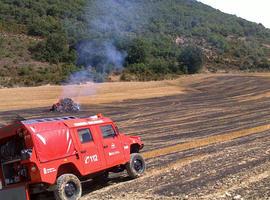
68	187
136	165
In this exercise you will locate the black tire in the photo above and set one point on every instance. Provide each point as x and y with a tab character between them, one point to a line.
68	187
136	165
102	178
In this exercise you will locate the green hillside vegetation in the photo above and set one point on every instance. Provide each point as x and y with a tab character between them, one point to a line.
39	39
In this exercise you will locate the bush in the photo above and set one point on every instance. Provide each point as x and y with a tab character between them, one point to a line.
43	26
219	42
191	58
1	41
159	66
55	49
137	51
141	71
264	64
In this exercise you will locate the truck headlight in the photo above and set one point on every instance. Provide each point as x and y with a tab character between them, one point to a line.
33	169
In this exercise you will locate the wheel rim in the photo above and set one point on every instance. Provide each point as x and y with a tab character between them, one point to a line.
138	166
70	189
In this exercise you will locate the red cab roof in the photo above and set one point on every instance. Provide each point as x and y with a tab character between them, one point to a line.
51	124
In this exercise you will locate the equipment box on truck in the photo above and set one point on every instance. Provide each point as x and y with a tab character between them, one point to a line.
55	154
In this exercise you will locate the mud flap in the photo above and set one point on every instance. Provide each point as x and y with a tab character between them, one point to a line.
18	193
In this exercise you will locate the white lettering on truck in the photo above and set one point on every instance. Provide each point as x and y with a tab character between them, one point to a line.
88	159
48	170
114	153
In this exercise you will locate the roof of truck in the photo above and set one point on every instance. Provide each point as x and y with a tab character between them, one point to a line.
69	121
55	123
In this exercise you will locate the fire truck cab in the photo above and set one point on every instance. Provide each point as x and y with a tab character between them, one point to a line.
56	154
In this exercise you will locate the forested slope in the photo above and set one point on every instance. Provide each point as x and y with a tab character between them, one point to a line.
44	41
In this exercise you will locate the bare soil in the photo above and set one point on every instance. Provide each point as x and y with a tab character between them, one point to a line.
210	141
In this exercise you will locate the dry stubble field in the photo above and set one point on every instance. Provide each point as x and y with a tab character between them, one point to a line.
206	136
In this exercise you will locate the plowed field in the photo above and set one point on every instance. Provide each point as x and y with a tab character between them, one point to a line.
209	141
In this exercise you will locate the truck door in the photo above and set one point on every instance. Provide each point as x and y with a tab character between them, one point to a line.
112	145
88	150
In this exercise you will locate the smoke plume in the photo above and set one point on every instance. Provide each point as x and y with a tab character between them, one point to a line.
108	22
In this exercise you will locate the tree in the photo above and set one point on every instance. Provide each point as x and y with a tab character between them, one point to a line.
44	26
192	58
219	42
137	51
54	50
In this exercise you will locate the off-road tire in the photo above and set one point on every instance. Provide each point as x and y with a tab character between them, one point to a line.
133	170
63	181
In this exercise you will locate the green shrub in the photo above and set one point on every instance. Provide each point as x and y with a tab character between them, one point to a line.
43	26
159	66
138	51
55	49
219	42
1	41
140	70
191	58
264	64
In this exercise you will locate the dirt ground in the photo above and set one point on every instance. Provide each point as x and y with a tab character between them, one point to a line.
207	139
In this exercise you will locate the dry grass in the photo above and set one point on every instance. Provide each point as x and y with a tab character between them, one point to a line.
34	97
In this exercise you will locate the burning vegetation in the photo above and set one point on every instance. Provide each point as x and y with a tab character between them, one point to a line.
65	105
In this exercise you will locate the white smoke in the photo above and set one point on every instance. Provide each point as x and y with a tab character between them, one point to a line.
80	84
108	21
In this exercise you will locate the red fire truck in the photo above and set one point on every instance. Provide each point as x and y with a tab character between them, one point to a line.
56	154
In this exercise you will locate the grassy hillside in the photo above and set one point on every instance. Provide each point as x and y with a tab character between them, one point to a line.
44	41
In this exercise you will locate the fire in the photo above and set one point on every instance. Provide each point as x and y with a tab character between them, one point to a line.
65	105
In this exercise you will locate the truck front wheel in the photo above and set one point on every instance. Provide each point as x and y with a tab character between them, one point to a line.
68	187
136	165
